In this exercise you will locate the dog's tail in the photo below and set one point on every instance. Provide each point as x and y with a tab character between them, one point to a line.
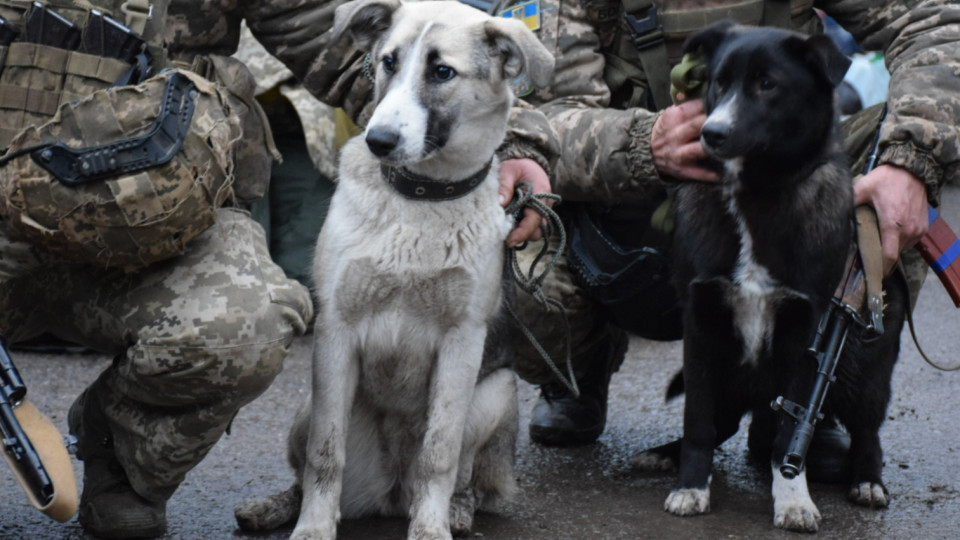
676	387
270	512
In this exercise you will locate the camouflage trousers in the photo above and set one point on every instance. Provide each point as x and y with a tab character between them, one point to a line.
194	338
589	329
589	326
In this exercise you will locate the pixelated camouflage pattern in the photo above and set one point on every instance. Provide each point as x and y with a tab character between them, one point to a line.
588	330
271	74
194	339
133	220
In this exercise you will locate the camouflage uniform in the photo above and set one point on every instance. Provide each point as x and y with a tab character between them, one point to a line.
194	338
607	156
197	336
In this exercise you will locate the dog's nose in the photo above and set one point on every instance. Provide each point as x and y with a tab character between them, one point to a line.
382	141
714	134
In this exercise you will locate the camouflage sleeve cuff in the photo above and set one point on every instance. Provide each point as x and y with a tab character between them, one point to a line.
515	147
919	163
530	136
640	154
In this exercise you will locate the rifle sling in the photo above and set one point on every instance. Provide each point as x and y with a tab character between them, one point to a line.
871	256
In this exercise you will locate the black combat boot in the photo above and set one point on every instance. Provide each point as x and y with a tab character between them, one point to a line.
559	419
109	507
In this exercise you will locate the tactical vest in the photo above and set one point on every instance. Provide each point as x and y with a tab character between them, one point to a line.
641	40
114	155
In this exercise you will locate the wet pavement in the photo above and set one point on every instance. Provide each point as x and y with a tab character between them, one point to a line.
578	493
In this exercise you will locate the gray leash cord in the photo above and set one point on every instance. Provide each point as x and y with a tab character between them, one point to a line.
531	282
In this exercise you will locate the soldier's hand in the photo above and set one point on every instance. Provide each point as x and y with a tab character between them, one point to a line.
675	143
900	200
513	171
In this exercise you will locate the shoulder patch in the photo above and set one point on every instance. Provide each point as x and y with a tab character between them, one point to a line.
528	12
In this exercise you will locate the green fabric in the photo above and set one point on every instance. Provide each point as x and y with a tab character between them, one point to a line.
689	77
293	210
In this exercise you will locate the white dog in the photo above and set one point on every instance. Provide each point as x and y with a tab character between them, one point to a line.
413	409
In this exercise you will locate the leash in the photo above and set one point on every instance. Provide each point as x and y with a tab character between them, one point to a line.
531	282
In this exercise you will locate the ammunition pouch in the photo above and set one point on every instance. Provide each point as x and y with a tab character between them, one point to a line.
118	180
106	163
616	260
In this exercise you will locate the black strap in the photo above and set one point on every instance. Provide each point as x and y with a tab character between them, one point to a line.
643	22
414	186
74	166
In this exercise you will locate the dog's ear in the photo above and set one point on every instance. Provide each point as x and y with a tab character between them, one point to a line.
363	20
832	62
704	42
821	55
519	50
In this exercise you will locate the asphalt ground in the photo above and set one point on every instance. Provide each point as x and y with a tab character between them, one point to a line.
576	493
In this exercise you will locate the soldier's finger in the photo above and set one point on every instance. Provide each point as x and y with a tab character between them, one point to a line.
527	229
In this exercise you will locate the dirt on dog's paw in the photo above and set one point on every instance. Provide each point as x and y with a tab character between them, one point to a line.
270	512
797	516
688	502
652	462
462	507
869	494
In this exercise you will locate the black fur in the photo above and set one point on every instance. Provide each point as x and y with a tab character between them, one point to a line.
788	186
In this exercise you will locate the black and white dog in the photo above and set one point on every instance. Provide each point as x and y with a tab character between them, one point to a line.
760	255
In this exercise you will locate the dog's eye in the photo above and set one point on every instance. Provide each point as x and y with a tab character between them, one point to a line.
389	64
444	73
766	84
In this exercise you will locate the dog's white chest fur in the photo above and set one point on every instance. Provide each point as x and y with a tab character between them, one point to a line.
401	277
754	296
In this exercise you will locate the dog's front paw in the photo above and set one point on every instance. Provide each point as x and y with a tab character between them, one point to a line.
688	501
268	513
870	494
313	534
462	507
796	515
423	534
650	461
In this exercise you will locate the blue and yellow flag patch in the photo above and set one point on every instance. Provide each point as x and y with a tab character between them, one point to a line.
527	12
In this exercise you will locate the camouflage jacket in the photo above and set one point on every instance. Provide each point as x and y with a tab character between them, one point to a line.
272	76
606	152
297	32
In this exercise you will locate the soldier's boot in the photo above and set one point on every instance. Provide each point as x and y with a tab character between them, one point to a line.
560	419
109	506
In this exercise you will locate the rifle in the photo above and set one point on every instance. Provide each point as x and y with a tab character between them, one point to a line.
940	247
826	348
35	467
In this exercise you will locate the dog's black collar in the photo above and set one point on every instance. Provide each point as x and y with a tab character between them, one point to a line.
415	186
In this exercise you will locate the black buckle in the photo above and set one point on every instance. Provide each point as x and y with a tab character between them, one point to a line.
647	31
